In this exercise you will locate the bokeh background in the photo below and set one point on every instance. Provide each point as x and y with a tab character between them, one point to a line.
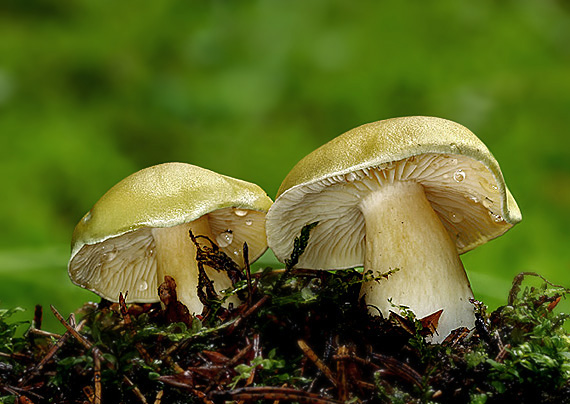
94	90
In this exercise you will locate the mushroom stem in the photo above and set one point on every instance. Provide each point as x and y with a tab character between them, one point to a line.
403	232
169	242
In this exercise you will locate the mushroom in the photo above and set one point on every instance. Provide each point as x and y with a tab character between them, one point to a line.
138	232
403	196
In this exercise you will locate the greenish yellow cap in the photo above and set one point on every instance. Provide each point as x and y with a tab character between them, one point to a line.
160	196
440	148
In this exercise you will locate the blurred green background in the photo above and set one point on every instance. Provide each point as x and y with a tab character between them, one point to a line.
94	90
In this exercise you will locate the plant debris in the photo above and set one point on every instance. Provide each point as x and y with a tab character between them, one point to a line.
300	336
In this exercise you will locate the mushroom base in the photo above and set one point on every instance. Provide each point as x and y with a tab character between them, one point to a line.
176	255
404	233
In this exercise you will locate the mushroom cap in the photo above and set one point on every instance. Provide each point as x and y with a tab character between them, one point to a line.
112	245
461	178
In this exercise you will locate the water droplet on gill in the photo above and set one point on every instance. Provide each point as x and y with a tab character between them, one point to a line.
236	252
488	186
456	217
240	212
459	175
109	255
487	202
496	217
142	285
225	238
248	222
351	177
149	253
459	242
472	198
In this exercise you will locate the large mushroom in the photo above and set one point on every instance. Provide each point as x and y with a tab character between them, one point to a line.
406	195
138	232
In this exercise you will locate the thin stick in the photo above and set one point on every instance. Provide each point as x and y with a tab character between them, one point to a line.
97	379
309	353
52	351
273	393
226	366
128	323
97	352
247	274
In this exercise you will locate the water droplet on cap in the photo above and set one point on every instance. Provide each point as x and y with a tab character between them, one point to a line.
225	238
87	217
240	212
248	222
459	175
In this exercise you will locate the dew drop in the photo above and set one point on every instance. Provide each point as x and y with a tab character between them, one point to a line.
496	217
142	285
109	255
487	202
459	175
456	217
459	241
248	222
225	238
351	177
149	253
454	148
472	198
488	185
87	217
240	212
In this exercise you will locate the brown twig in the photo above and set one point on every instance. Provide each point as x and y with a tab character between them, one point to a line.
128	323
309	353
97	352
97	379
248	313
227	366
271	393
394	367
52	351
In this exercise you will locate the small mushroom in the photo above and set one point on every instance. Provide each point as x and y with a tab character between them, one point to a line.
406	195
138	232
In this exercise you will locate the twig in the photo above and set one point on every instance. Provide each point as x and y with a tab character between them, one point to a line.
226	366
400	369
97	379
52	351
247	273
271	393
248	313
309	353
159	397
38	313
128	323
97	352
